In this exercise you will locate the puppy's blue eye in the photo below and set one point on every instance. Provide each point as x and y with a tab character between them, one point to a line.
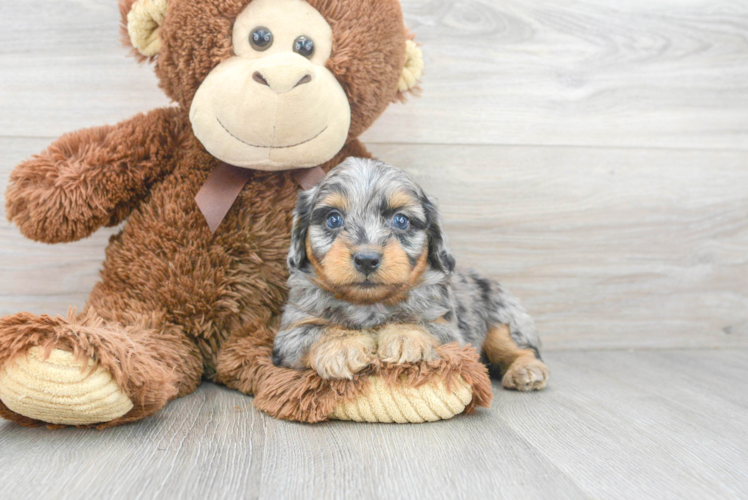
334	220
400	221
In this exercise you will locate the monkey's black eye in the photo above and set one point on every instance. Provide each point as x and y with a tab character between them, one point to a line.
334	220
304	46
400	222
261	38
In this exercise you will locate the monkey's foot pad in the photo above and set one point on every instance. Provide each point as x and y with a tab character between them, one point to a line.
426	403
59	390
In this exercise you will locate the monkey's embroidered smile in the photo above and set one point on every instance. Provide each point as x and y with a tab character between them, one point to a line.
271	147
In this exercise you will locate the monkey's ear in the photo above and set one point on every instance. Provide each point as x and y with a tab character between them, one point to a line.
440	256
297	257
142	20
412	69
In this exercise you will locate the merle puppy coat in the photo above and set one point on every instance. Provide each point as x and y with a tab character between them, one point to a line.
372	276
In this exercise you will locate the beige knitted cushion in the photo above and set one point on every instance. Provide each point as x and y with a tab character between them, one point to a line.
59	390
426	403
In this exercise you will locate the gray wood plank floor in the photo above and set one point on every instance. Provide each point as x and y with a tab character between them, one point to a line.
612	425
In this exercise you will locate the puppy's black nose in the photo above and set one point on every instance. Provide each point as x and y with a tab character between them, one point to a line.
367	262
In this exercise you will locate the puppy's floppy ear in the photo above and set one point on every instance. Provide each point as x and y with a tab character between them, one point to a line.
297	257
440	256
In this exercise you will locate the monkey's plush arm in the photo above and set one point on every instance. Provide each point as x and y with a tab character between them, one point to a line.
93	177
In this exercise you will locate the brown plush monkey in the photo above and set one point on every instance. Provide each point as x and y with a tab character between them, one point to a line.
192	288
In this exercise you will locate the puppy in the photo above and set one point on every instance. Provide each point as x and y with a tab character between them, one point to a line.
371	276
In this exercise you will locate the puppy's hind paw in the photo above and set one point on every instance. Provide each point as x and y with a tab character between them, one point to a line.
406	344
526	374
343	354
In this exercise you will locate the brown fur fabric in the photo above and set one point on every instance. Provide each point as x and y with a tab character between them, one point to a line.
86	180
176	303
151	367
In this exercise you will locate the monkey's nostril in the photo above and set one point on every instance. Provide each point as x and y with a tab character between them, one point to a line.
367	262
304	79
256	76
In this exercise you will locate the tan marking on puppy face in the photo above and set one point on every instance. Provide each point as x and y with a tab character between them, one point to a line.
336	273
335	200
396	280
341	353
405	343
395	268
522	370
337	264
401	199
422	264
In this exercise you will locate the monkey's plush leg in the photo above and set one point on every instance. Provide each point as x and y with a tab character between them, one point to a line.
92	177
521	369
86	371
245	359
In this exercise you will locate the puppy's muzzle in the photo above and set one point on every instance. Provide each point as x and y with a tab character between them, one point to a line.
367	262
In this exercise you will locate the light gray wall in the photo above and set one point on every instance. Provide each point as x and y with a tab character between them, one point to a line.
591	154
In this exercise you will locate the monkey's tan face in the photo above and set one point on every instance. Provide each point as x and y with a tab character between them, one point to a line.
274	105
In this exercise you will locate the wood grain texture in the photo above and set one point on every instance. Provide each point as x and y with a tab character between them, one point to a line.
665	73
64	68
670	73
612	425
609	248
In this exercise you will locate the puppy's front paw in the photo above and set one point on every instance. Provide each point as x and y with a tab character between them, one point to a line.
342	353
526	374
406	344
